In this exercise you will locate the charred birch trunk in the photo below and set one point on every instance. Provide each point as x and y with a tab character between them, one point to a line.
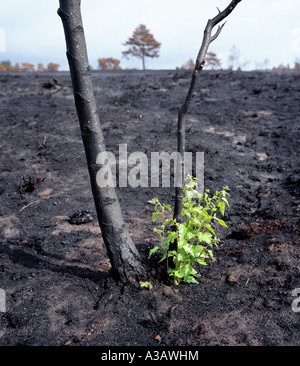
199	64
123	255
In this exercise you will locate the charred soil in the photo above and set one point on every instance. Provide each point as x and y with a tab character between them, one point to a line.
53	264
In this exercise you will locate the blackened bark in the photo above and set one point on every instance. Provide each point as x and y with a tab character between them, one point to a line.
124	257
199	64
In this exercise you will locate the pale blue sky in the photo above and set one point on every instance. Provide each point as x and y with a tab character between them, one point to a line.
260	29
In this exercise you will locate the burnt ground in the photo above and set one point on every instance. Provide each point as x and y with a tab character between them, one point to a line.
56	274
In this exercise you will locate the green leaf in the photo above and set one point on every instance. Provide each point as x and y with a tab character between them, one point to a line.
180	257
185	212
168	207
153	251
191	280
184	272
198	251
188	249
210	253
172	253
221	222
190	235
206	237
210	229
195	222
154	215
206	215
172	236
188	274
158	231
224	193
178	275
182	231
166	241
146	284
222	207
225	200
201	261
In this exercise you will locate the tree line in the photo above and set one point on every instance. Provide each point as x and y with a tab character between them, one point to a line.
26	66
142	44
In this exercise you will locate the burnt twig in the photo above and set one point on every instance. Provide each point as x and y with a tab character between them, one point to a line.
208	38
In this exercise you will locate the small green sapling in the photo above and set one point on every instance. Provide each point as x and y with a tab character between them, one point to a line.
194	235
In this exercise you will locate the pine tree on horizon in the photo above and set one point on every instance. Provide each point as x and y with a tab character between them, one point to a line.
142	44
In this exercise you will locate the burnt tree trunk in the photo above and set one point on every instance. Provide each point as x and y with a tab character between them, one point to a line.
199	64
123	255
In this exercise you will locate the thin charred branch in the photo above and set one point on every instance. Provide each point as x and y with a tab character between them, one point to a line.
208	38
123	255
220	27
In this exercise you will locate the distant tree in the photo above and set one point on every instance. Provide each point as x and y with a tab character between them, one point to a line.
297	66
142	44
27	66
212	60
41	68
17	68
281	68
109	64
234	57
262	65
189	65
5	65
234	60
52	66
